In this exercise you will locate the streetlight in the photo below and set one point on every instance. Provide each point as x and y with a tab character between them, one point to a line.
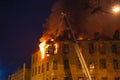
116	9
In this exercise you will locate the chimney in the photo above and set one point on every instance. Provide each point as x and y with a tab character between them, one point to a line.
116	35
96	36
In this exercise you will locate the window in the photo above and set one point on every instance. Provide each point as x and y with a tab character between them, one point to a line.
92	66
93	78
117	78
54	79
103	63
35	70
80	78
66	64
38	69
114	49
47	66
79	65
50	50
54	65
32	71
67	78
102	48
115	64
91	48
42	67
65	48
104	78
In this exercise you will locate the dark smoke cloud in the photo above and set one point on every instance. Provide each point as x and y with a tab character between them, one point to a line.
81	19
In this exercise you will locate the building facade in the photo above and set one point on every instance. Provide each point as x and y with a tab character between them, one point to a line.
101	56
21	74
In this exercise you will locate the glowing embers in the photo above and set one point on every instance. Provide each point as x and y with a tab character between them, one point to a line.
48	49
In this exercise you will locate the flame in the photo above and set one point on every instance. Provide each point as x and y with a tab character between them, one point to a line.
42	48
56	48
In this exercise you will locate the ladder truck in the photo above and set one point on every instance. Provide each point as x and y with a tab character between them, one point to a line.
75	44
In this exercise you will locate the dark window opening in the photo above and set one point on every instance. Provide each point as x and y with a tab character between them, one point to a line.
117	78
114	49
47	66
115	64
103	63
38	69
104	78
42	67
55	65
102	48
91	48
66	64
65	48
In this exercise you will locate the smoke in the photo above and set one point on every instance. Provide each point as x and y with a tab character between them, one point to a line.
80	18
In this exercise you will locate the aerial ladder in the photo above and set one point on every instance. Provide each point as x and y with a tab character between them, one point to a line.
75	44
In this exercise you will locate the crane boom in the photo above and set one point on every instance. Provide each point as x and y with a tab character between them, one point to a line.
79	54
76	46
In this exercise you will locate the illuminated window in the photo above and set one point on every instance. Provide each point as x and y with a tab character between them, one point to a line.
91	48
102	48
80	78
114	49
42	67
47	66
66	64
115	64
38	69
54	65
92	66
103	63
65	48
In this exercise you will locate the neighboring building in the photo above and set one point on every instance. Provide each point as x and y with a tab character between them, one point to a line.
101	56
21	74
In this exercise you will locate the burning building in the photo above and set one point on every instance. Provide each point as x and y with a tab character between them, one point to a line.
58	59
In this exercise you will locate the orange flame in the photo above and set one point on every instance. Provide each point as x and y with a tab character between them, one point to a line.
56	48
42	48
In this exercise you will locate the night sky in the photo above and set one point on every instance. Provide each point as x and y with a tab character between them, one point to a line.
21	25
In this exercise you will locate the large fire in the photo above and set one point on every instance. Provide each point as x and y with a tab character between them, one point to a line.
45	48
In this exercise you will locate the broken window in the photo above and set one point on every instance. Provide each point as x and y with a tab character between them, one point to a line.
42	67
